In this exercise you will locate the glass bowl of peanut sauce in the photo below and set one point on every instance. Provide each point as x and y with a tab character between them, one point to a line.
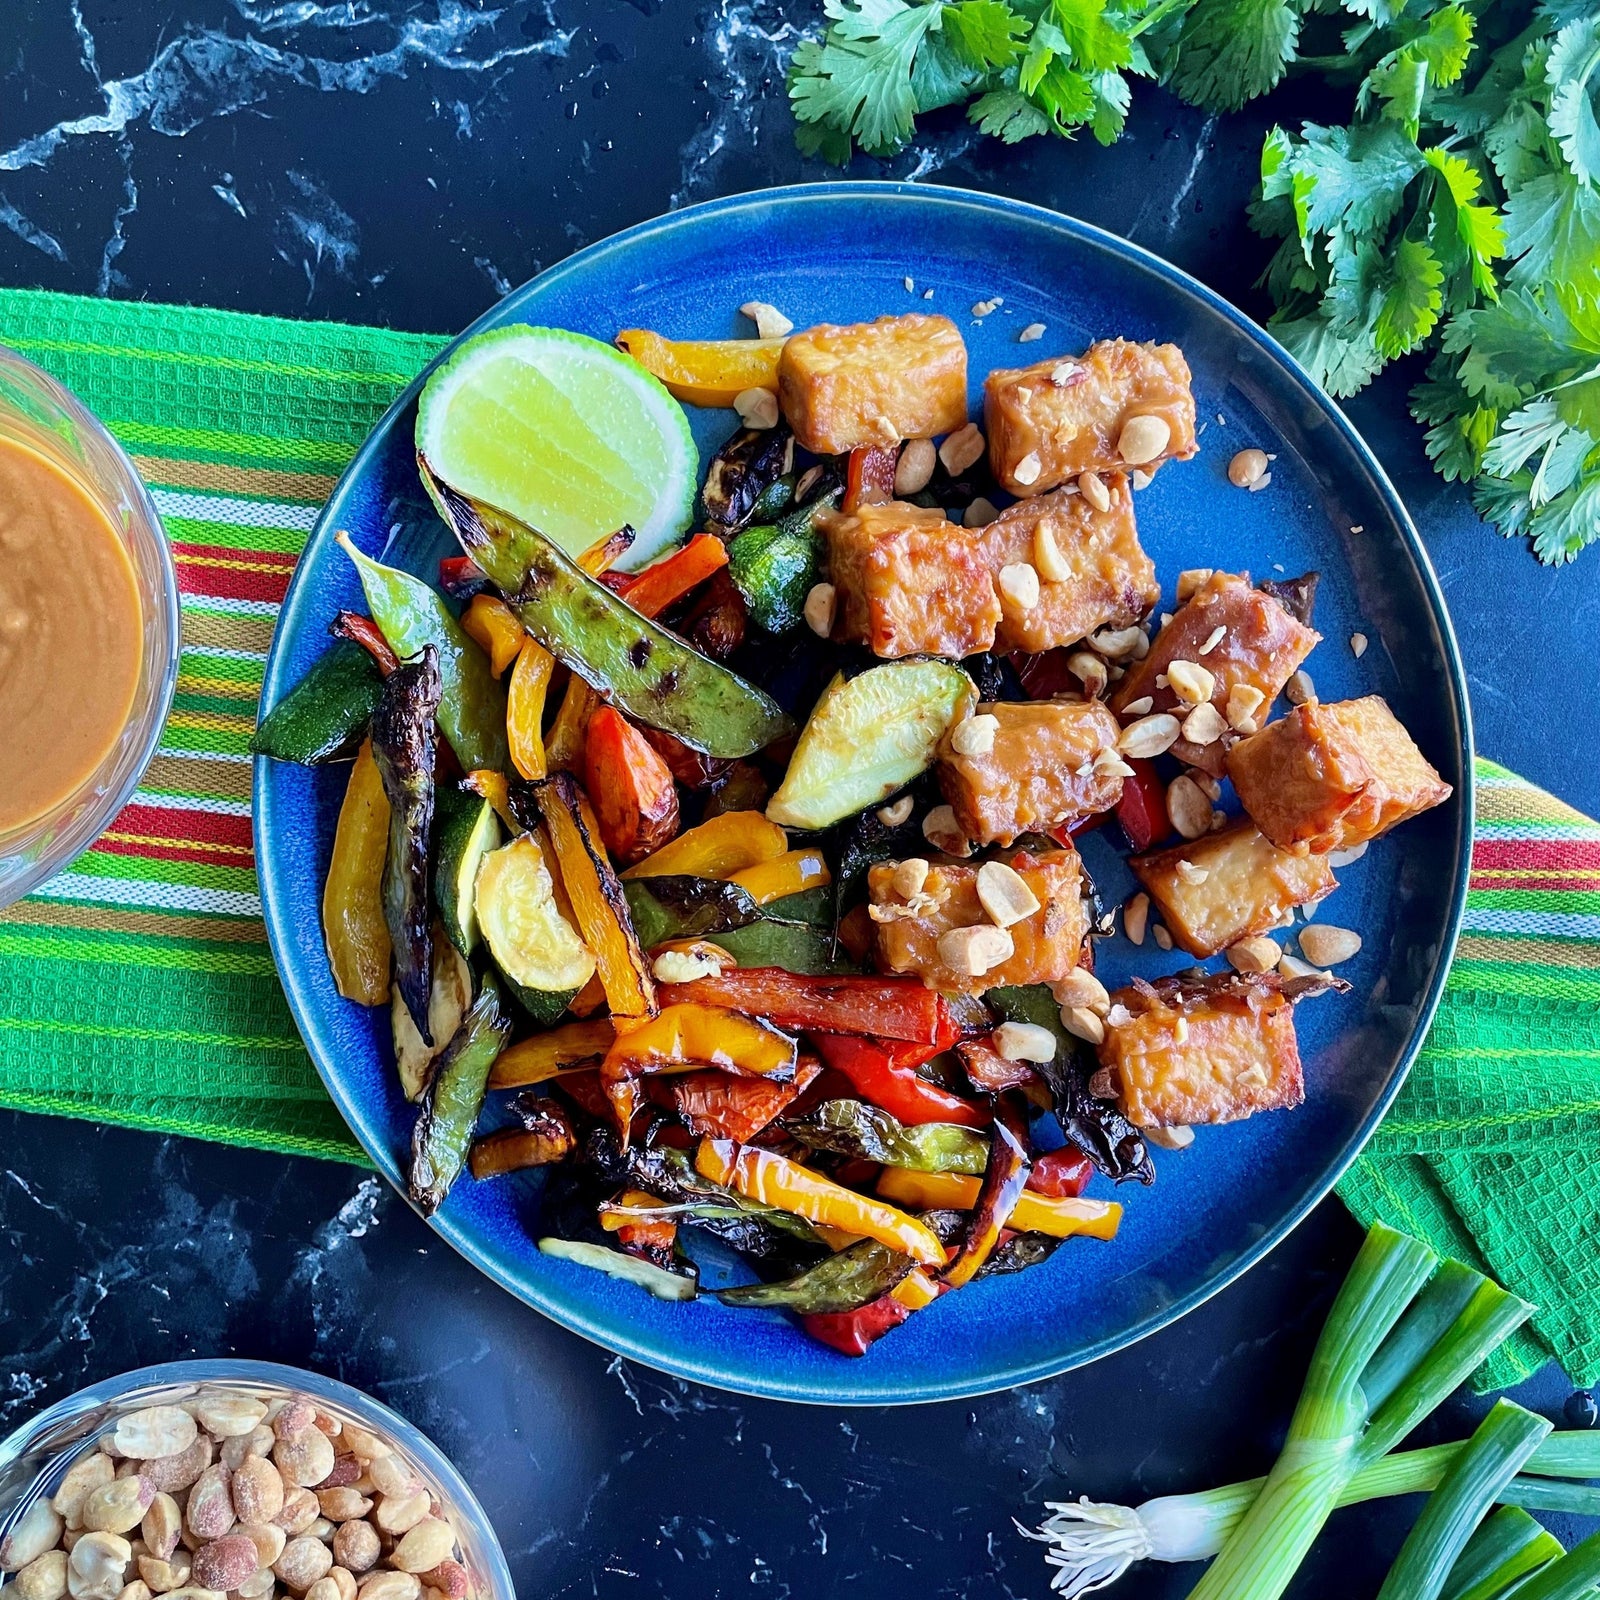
89	627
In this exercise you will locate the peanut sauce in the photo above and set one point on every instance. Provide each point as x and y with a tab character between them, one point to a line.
71	635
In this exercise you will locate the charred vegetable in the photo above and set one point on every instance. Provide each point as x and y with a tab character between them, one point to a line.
444	1127
665	1283
726	844
743	470
547	1055
448	1000
1096	1127
523	922
715	623
854	1128
718	1105
545	1136
675	907
649	672
634	796
468	831
472	706
867	737
352	897
1004	1179
363	631
525	696
403	747
705	372
841	1283
774	571
892	1008
1297	596
325	716
887	1075
661	586
1061	1216
796	947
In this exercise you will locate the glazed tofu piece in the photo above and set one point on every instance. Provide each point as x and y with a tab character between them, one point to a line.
1333	776
909	582
1043	946
873	383
1038	774
1049	422
1228	886
1241	637
1092	571
1217	1050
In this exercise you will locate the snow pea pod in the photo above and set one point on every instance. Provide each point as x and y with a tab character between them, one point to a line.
841	1283
648	671
854	1128
443	1133
472	706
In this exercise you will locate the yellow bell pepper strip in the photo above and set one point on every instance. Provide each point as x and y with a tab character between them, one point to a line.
605	553
628	1216
359	948
1004	1179
569	1048
564	749
530	682
1059	1216
491	624
598	901
725	845
916	1291
783	875
702	1036
776	1181
589	998
705	372
549	1138
492	786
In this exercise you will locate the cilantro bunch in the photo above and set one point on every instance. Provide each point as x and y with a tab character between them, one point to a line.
1457	215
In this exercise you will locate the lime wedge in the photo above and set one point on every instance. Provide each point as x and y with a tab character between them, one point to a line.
564	432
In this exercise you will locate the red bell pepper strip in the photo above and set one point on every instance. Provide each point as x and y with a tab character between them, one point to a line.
1061	1172
461	577
1046	675
869	480
668	581
366	633
1141	813
887	1076
887	1008
717	1105
852	1333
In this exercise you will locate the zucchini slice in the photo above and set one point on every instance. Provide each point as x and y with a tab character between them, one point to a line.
449	996
522	923
468	831
664	1285
867	737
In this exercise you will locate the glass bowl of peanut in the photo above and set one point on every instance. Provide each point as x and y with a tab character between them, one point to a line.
201	1480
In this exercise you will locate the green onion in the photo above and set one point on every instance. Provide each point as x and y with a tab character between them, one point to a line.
1503	1441
1505	1549
1571	1577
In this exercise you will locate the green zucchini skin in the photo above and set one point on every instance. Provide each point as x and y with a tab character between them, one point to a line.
325	716
443	1132
468	830
774	571
410	614
650	673
403	747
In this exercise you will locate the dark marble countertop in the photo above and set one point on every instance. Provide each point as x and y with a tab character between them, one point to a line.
404	162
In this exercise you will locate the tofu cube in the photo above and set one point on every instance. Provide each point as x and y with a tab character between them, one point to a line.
1039	774
1219	1050
873	383
1259	647
1049	422
1109	582
1228	886
1332	776
1045	946
909	582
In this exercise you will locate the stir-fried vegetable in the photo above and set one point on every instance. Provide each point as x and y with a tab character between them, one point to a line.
468	829
717	1105
545	1137
524	923
492	625
886	1074
547	1055
353	922
443	1132
663	585
472	706
651	674
686	908
403	748
777	1181
1061	1218
843	1282
716	849
325	715
791	873
867	737
854	1128
705	372
891	1008
598	902
448	999
629	785
525	696
701	1035
676	1283
1004	1180
743	473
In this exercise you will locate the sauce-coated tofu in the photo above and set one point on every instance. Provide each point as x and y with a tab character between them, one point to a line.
1213	892
909	582
1177	1053
1259	647
1066	415
1045	946
1332	776
873	383
1109	582
1039	774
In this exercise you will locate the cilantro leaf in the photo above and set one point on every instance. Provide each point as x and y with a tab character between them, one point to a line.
985	34
1009	115
825	143
1504	502
1410	303
1230	51
1526	433
1578	400
1553	224
1112	97
1463	230
1352	181
1515	143
1563	527
1445	45
1340	364
940	77
858	78
1574	77
1094	41
1065	96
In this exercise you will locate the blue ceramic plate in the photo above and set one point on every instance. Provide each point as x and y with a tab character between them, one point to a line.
842	252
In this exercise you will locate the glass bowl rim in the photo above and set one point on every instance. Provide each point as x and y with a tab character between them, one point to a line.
495	1580
93	820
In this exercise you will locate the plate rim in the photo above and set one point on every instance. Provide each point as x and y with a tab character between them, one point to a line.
859	1390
